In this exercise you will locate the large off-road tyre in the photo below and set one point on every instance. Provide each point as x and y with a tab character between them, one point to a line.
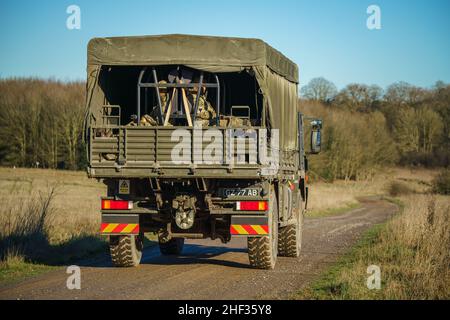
263	251
173	246
290	237
126	251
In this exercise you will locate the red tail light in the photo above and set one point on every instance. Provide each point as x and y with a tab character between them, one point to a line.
252	206
117	205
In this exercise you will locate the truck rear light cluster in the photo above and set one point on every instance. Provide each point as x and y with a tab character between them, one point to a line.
117	205
252	206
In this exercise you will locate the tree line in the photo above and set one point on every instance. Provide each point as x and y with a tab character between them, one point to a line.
41	123
365	127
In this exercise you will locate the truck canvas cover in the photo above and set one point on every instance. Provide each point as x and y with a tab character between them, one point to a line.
277	76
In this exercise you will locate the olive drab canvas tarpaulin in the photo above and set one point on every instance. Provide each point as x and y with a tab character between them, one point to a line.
277	76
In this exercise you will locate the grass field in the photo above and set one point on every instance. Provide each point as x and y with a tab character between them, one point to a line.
337	197
412	250
75	205
50	218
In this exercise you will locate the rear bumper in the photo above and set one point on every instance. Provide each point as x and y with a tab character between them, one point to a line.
249	226
129	224
119	224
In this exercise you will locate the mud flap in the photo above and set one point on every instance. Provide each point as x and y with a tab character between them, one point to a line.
249	226
119	224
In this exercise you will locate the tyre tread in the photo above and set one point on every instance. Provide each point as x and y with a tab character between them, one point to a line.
124	253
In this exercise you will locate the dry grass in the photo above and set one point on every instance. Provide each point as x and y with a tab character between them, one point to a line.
332	198
441	183
47	216
413	253
325	197
24	224
412	250
398	188
418	242
75	203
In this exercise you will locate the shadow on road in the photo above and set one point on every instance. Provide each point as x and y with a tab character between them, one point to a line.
192	254
36	248
195	254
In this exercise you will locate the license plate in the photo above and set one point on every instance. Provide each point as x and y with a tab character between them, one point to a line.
237	192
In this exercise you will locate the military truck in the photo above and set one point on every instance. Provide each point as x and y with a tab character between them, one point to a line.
239	172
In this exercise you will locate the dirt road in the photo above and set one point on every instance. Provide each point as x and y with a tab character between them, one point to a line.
211	270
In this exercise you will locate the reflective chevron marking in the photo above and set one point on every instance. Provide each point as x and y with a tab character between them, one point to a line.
123	228
249	229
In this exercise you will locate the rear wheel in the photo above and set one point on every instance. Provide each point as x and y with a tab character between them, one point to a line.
262	251
290	239
126	251
173	246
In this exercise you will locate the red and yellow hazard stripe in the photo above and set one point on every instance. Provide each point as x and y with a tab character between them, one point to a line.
249	229
125	228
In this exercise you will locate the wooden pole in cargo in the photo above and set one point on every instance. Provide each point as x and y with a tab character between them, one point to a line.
186	106
169	109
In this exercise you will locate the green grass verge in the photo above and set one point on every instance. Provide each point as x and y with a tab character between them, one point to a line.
16	271
339	282
329	286
17	268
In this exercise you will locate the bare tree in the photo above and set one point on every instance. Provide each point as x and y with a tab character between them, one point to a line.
418	130
319	89
403	93
359	97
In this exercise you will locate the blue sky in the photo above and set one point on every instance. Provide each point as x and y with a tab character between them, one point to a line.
326	38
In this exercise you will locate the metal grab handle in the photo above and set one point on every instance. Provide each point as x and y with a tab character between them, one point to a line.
200	85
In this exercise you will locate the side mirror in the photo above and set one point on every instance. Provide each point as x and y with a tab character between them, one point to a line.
316	136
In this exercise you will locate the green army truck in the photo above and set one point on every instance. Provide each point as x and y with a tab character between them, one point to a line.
197	137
